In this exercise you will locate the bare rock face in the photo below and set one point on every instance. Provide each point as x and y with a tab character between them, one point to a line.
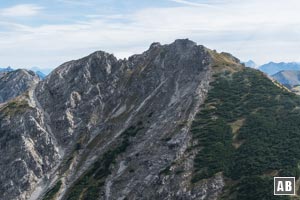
103	128
26	147
14	83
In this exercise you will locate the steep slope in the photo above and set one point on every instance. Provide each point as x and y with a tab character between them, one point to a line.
273	68
178	121
16	82
248	129
288	78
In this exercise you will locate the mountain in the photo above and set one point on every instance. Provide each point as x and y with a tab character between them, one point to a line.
288	78
14	83
273	68
44	71
8	69
178	121
40	74
251	64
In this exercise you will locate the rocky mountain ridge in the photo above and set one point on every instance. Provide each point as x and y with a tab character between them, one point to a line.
152	126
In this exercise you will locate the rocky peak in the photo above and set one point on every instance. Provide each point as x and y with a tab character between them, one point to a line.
16	82
155	45
184	43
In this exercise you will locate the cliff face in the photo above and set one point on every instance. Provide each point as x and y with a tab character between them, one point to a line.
103	128
14	83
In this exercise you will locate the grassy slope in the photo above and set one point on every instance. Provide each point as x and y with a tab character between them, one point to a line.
249	129
13	107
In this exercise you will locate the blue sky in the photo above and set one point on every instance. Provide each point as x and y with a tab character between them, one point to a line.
47	33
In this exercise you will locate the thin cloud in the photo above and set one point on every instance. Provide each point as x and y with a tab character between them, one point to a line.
190	3
76	2
21	10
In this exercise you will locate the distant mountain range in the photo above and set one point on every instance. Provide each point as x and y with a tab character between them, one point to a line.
286	73
272	68
7	69
288	78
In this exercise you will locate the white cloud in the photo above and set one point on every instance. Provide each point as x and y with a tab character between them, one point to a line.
21	10
76	2
190	3
260	30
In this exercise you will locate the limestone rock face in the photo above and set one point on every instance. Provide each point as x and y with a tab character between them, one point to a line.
14	83
127	120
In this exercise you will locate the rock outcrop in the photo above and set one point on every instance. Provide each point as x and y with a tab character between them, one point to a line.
14	83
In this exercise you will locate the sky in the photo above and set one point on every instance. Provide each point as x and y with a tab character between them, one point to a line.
45	33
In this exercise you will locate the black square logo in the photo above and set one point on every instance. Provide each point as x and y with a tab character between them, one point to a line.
284	185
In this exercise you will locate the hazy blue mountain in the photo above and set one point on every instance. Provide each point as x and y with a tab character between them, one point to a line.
288	78
40	74
44	71
7	69
250	63
272	67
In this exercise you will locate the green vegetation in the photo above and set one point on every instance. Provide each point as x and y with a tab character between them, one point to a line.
14	107
89	185
248	189
216	154
268	132
51	194
166	171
